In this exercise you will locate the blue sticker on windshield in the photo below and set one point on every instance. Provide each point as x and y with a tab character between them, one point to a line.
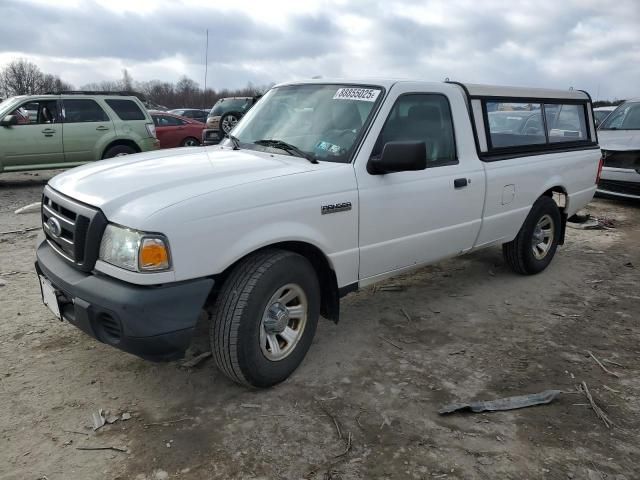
326	149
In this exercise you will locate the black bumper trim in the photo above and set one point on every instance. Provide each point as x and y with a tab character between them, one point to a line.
153	322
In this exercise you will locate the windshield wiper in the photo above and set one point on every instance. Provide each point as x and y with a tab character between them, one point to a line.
287	147
234	140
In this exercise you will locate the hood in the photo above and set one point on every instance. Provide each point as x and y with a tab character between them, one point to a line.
136	186
619	140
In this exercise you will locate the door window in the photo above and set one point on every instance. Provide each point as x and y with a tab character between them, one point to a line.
167	121
83	111
37	112
126	109
421	118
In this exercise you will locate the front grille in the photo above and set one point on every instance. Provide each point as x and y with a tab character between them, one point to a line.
622	159
618	186
72	229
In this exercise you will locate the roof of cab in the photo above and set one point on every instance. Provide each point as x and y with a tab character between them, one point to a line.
475	90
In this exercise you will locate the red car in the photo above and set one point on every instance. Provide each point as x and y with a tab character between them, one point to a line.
176	131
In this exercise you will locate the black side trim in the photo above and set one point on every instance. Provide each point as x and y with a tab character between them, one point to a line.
347	289
494	157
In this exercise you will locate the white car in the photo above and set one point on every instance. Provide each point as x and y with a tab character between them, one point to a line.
619	137
322	188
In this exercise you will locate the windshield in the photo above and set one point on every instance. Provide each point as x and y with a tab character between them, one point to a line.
323	121
625	117
5	103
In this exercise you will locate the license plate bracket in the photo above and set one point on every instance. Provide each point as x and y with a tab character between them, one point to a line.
49	297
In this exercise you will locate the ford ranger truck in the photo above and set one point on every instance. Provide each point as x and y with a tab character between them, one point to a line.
322	188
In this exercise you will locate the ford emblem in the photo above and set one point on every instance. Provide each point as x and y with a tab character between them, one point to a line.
54	227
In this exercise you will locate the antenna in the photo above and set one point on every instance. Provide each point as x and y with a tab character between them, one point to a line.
206	67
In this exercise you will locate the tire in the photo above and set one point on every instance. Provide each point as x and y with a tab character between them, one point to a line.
190	142
520	254
227	122
118	151
238	331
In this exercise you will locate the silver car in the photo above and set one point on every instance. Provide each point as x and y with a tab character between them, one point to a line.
619	138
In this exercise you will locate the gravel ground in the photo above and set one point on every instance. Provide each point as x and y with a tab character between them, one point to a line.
364	403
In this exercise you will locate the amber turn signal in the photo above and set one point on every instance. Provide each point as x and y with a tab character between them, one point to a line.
154	255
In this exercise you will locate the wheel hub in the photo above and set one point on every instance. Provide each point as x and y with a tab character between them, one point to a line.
538	236
277	318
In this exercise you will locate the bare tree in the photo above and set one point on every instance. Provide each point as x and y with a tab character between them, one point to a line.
53	83
103	86
188	92
21	77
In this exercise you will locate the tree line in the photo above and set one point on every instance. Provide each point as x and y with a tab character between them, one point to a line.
21	77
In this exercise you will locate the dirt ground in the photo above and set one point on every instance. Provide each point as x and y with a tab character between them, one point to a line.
364	403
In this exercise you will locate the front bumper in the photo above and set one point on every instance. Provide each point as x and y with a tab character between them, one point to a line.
155	323
211	136
620	182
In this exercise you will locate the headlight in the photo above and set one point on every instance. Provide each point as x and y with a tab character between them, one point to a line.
133	250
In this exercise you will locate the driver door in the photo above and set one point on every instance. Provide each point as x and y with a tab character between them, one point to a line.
37	138
412	218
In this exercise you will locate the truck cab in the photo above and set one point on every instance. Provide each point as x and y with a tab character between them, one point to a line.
322	188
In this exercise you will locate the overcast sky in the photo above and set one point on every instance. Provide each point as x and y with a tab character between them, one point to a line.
587	44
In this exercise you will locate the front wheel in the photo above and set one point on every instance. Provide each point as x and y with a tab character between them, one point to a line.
265	317
536	243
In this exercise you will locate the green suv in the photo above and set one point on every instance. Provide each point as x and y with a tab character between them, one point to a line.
69	129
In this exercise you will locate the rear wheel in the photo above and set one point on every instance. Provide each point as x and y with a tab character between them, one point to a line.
190	142
265	317
536	243
118	151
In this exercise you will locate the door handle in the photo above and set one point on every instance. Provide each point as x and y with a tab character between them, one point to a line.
48	130
102	128
460	183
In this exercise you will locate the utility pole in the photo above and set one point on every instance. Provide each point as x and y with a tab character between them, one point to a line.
206	66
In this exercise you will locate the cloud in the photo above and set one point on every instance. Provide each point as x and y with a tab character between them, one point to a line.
582	43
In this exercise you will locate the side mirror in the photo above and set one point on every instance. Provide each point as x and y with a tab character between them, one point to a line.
399	157
9	120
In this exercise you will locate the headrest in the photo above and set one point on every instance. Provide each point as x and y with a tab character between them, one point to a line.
346	116
425	113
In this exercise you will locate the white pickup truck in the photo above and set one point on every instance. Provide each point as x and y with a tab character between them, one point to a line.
322	188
